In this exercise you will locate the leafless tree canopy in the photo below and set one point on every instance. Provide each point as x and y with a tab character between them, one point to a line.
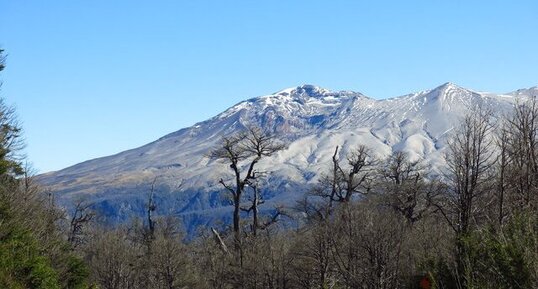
243	152
406	187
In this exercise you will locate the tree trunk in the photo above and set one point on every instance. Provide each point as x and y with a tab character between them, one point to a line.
236	220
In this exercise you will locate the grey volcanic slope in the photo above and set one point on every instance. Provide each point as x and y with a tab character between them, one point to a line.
310	119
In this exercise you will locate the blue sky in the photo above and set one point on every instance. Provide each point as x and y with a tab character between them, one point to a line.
93	78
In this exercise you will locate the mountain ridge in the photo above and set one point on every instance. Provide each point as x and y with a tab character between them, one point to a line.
310	119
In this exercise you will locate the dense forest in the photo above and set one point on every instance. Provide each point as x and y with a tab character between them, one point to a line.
368	222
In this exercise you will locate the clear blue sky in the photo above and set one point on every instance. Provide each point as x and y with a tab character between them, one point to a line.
93	78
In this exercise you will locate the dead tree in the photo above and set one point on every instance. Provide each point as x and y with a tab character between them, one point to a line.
356	176
243	151
345	181
255	201
81	216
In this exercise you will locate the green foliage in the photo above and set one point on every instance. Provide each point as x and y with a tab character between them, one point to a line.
28	260
77	274
10	136
10	141
505	258
22	265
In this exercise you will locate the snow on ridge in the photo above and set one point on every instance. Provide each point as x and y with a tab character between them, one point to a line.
311	119
525	91
307	96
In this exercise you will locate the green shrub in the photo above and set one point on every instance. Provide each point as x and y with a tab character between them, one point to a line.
22	265
504	258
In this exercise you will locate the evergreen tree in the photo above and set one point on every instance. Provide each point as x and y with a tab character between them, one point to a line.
33	253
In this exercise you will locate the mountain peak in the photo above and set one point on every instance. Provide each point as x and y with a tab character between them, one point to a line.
449	93
531	91
449	86
304	90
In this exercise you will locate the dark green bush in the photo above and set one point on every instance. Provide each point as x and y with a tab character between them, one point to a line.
22	265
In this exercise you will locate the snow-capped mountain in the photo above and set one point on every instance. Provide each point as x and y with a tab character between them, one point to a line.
310	119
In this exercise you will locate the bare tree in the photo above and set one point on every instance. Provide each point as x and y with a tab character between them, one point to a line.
169	261
346	180
522	148
502	166
470	159
366	245
405	187
313	265
243	152
81	216
112	260
255	201
361	165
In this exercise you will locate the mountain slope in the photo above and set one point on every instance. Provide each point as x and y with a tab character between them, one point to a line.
310	119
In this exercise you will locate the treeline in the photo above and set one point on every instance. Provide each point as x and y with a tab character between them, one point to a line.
367	223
